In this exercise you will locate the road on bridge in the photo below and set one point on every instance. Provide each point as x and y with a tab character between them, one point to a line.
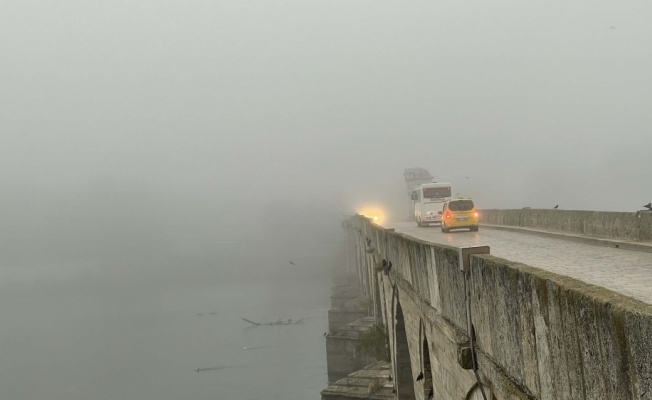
623	271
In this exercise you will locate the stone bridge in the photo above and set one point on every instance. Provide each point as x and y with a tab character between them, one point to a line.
535	334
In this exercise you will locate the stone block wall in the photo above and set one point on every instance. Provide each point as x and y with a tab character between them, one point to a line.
616	225
539	335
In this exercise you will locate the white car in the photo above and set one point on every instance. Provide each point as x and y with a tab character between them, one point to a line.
429	217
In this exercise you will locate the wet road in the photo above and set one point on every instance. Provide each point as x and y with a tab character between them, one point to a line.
623	271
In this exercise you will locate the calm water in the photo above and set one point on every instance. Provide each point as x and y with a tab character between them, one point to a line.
133	331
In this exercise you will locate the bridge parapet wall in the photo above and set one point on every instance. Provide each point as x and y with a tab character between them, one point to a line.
616	225
539	335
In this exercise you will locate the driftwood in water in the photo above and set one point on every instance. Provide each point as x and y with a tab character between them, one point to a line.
279	322
214	368
208	369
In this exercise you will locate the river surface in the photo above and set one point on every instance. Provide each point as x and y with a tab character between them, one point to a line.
140	330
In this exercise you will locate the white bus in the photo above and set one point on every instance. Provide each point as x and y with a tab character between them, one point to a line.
428	200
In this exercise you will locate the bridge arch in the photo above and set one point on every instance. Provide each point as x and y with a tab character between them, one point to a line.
404	378
426	366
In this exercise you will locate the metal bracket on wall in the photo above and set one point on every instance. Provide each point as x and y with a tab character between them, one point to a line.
465	267
464	356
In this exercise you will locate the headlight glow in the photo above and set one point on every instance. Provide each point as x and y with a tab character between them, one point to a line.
375	214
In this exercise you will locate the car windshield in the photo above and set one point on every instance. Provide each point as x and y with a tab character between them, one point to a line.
432	193
461	205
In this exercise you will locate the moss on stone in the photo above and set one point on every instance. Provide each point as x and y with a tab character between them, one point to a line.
374	343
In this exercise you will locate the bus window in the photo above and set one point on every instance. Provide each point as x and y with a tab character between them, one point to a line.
439	192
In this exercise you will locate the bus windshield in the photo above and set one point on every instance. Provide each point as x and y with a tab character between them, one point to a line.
434	193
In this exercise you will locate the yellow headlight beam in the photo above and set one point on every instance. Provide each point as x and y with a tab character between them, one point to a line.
374	213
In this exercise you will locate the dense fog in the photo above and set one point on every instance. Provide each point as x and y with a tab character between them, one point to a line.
148	133
204	113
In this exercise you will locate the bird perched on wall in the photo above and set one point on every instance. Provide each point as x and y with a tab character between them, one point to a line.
556	207
648	206
431	393
420	376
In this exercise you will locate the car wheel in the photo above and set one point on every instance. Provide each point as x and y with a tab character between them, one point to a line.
474	229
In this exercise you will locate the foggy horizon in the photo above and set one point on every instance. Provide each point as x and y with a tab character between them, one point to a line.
222	102
168	168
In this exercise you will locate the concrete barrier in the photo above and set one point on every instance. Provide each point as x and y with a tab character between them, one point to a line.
539	335
615	225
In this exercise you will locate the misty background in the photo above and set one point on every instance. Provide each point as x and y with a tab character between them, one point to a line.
201	114
231	136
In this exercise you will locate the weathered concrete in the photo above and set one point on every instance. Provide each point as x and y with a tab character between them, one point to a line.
539	335
348	316
342	356
625	272
347	305
578	238
635	226
373	382
338	318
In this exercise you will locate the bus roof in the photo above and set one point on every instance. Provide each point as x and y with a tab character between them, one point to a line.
434	185
416	173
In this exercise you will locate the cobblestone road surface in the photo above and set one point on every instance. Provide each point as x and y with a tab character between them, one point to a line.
623	271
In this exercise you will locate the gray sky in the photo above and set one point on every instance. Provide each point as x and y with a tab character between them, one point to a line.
235	103
145	144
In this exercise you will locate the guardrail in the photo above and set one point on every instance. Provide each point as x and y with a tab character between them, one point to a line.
635	226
